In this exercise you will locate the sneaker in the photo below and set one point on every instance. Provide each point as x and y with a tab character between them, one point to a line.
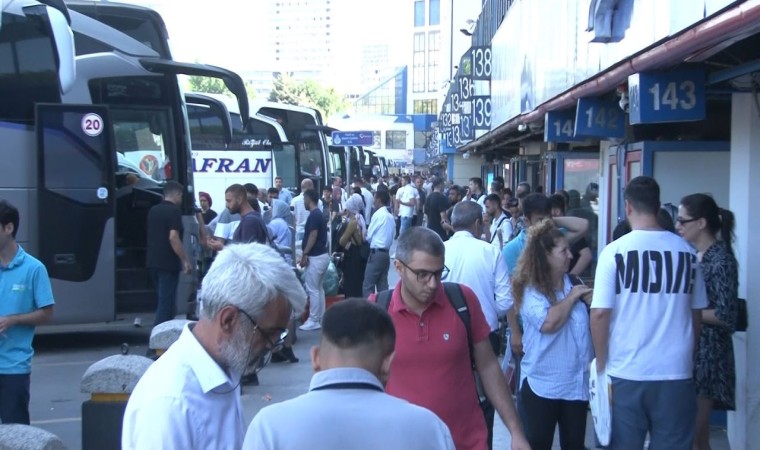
310	325
250	379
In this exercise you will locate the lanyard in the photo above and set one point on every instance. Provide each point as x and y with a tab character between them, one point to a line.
354	385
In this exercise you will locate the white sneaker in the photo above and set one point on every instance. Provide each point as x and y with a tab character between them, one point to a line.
310	325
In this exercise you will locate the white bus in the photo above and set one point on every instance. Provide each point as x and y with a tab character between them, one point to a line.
72	124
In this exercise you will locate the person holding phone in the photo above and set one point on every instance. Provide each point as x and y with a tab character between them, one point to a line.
556	340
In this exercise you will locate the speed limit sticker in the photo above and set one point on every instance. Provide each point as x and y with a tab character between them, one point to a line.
92	124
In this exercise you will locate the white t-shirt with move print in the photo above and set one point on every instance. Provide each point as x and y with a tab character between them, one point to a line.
652	281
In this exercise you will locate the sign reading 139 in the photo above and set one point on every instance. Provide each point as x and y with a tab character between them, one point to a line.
657	97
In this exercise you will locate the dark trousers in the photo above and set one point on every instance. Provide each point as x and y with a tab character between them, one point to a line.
166	282
488	411
543	415
376	273
14	398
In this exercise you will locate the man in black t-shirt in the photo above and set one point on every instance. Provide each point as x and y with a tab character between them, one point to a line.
165	255
315	259
435	209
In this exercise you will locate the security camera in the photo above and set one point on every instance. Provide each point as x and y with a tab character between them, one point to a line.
466	155
623	103
522	128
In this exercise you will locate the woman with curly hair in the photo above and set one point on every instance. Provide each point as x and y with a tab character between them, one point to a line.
710	230
556	340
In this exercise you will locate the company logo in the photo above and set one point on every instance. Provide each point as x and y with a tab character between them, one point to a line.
149	164
229	165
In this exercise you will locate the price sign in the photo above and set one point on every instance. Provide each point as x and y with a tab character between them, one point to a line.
595	117
660	97
559	126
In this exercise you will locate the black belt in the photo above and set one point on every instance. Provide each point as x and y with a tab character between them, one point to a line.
384	250
357	385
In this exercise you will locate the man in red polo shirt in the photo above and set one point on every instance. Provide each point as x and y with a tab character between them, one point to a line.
431	367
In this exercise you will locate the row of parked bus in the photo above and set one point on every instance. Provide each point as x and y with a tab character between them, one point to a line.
94	120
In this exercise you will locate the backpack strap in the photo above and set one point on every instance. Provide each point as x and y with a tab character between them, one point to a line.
456	298
383	299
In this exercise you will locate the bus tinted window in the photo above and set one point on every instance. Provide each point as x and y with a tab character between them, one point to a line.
143	138
206	128
27	68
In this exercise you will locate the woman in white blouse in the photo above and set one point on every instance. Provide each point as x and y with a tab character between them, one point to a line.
556	341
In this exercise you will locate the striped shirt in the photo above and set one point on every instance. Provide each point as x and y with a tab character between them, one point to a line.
555	364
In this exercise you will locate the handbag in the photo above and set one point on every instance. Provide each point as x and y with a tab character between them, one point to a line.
364	250
741	315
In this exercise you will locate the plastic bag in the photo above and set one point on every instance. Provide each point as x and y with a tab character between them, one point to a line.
600	398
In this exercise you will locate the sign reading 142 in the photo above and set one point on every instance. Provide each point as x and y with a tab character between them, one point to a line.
657	97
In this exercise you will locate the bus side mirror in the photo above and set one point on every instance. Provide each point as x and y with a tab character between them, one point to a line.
62	40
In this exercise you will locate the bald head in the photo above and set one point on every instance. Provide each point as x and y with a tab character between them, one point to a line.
307	184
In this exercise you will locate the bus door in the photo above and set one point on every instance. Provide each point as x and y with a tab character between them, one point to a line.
77	209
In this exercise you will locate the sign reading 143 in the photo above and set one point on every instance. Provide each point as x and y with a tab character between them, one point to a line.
657	97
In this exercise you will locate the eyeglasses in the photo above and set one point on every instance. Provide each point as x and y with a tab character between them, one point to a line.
423	276
683	221
273	346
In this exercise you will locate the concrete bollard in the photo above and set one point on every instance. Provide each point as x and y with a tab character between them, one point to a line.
109	382
165	334
25	437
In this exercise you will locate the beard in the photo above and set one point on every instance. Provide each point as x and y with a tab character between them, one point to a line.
237	353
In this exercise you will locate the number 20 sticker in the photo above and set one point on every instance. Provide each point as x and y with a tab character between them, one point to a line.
92	124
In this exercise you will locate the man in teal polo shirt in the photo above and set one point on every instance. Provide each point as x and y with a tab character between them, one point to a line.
26	300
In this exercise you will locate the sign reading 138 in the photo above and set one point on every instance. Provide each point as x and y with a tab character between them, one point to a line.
481	63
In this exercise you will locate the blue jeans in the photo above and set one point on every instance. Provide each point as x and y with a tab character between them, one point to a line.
166	282
406	223
14	398
666	409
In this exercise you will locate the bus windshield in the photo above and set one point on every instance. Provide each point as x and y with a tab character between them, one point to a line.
140	113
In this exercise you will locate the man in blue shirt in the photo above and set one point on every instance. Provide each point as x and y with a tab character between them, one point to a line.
315	259
26	300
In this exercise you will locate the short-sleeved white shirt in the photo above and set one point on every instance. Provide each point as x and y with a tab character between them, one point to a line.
652	282
406	194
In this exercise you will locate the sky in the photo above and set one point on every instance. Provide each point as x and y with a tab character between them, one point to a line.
230	33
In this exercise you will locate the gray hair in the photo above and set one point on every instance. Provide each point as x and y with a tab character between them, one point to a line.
465	215
420	239
249	276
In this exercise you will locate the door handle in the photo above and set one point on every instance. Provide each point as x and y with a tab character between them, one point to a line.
65	258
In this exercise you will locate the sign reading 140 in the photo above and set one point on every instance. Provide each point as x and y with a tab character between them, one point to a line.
657	97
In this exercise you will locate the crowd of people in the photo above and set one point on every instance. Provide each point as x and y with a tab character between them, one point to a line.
656	310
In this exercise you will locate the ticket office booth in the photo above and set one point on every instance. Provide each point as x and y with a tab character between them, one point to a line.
680	168
526	168
571	171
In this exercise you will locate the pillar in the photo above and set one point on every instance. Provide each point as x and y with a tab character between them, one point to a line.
744	182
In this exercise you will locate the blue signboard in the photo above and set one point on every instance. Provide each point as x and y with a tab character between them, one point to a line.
352	138
657	97
596	117
559	126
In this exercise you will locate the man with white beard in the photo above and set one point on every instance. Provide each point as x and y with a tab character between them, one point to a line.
189	398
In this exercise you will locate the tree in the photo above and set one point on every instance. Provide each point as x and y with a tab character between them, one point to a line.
207	85
306	93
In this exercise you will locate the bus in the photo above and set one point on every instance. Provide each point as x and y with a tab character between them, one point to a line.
303	127
255	153
81	150
279	140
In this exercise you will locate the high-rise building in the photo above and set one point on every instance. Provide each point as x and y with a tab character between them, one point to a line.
303	37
